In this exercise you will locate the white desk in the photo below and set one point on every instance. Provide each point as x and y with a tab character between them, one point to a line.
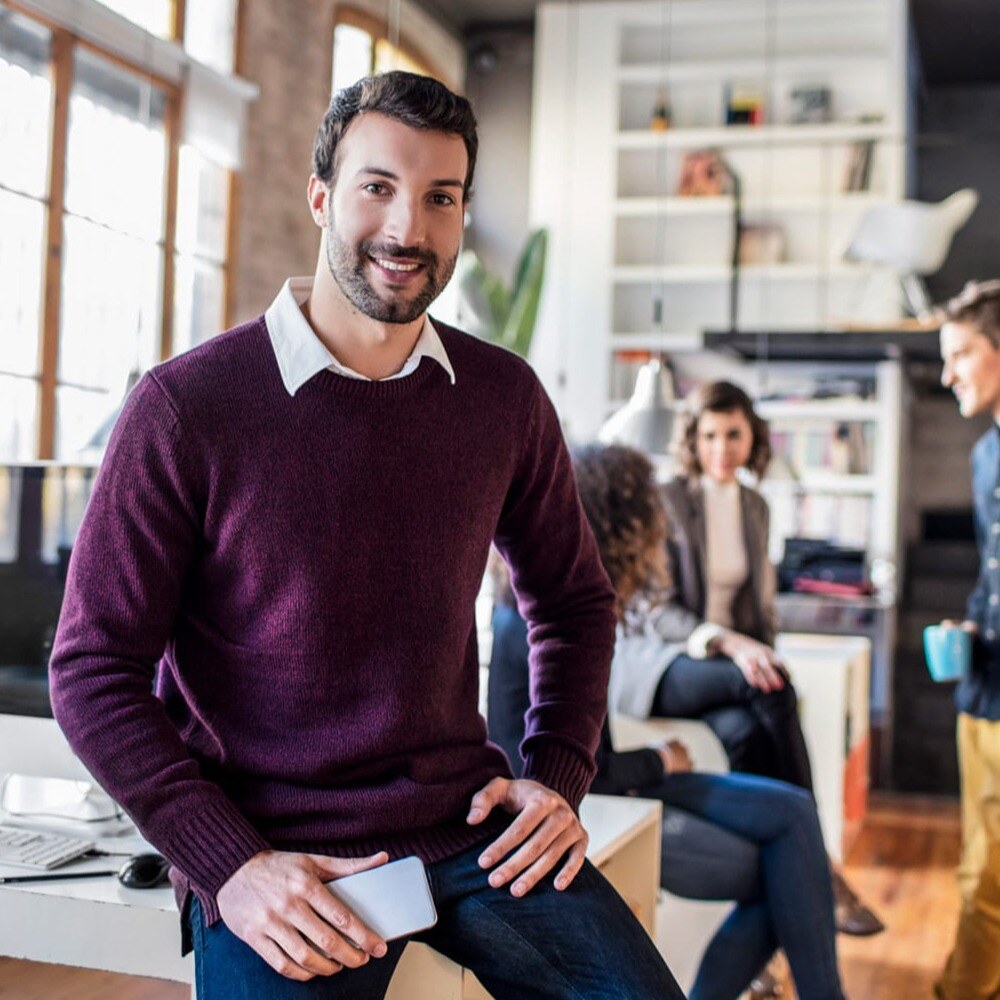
98	924
832	677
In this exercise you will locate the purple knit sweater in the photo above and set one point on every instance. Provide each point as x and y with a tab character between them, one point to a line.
306	567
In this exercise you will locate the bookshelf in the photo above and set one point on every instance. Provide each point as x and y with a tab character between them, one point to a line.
634	264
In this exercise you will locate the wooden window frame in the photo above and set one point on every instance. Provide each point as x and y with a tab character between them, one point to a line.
64	42
379	30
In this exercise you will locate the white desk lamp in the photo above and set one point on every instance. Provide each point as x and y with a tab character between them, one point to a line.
913	238
646	421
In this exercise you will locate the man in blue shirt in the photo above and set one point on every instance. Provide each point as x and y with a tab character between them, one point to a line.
970	348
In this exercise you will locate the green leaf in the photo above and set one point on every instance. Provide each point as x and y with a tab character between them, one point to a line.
520	325
483	295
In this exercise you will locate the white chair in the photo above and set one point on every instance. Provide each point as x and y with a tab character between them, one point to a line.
913	238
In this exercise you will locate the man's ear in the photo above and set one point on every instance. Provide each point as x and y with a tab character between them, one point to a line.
319	195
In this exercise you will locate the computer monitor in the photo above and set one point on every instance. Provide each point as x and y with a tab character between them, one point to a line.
41	507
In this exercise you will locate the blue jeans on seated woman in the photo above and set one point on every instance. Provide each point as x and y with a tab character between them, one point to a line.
582	943
785	900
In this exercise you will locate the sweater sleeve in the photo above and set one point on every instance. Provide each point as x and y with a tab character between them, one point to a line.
138	540
621	772
566	597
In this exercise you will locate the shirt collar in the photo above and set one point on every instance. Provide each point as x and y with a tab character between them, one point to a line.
301	354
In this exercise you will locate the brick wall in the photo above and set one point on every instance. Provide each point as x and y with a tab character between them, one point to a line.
286	49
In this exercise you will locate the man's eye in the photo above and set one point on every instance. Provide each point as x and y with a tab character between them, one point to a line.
442	199
374	188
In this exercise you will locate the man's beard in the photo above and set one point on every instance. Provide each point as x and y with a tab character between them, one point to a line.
347	265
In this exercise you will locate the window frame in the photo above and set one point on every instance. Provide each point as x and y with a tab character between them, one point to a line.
379	31
64	42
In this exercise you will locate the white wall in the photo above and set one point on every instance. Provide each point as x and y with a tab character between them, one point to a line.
502	101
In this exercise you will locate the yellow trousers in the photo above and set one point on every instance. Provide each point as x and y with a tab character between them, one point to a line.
973	969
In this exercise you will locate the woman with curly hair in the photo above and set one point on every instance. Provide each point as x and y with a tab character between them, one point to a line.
750	839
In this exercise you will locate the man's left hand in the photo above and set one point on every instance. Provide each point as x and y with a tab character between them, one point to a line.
545	831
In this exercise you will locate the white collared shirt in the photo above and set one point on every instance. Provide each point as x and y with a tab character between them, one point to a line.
301	354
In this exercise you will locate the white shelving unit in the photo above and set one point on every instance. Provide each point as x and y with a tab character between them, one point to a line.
633	266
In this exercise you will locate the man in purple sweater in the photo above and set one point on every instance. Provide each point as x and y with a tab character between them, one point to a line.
294	520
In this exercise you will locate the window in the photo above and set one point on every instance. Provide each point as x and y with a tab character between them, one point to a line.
113	231
201	249
209	30
362	45
25	115
112	241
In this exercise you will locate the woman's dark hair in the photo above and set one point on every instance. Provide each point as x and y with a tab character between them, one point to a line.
718	397
622	503
414	100
979	305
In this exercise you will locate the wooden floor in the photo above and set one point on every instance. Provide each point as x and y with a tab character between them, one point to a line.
902	865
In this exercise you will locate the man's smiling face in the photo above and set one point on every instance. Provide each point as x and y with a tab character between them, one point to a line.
971	368
394	216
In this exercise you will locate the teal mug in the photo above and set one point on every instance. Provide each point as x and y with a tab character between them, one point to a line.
948	650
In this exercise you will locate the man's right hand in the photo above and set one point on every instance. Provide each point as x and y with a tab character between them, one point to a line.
967	625
277	903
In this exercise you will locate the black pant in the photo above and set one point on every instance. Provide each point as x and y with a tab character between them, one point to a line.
760	731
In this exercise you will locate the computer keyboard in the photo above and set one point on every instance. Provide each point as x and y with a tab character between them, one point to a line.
35	849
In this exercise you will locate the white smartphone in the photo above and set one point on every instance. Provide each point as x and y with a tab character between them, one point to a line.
393	900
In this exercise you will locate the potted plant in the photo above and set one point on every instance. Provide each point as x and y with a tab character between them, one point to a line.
490	309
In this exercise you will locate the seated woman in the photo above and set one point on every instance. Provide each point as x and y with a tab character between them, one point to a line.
706	649
751	839
715	628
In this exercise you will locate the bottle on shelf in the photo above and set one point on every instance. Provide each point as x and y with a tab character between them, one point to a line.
661	119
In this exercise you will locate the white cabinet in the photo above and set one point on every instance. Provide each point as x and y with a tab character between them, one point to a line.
635	266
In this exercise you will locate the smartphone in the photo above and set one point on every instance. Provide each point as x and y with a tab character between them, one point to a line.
393	900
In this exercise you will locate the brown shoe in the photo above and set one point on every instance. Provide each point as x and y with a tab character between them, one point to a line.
850	914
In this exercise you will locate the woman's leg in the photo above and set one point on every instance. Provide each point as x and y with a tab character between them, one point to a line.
692	688
797	901
728	965
702	860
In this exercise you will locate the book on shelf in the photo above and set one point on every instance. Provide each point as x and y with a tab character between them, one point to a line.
744	105
841	519
858	174
827	447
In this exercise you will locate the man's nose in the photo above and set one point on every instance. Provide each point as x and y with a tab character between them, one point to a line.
404	223
947	376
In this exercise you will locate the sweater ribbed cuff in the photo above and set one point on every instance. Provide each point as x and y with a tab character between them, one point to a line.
211	843
700	639
563	770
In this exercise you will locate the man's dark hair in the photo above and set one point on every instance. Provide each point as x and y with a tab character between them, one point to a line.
417	101
978	304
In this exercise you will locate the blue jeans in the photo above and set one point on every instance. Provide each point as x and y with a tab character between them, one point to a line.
793	908
579	944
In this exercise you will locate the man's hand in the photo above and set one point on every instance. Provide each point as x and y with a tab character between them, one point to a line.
759	664
278	905
967	625
546	829
675	756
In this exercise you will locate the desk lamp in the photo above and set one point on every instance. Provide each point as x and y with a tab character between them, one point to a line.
646	421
